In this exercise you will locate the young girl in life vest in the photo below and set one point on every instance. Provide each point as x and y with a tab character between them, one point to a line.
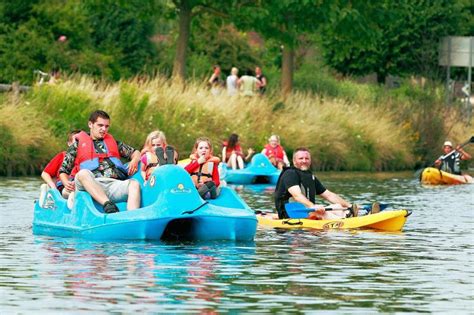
155	152
275	152
232	153
203	169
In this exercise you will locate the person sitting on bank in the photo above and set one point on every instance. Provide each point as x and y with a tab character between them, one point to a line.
299	183
275	152
101	173
156	152
452	158
50	173
203	169
232	152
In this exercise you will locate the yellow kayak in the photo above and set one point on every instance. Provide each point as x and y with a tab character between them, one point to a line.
434	176
385	220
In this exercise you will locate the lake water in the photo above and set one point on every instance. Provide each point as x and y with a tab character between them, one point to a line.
426	268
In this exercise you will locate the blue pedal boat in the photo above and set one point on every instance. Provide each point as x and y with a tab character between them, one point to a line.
259	171
171	210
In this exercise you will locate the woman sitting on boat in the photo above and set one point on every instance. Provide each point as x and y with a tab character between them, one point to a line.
232	152
156	152
203	169
275	152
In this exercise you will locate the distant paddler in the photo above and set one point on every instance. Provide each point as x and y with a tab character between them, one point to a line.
451	160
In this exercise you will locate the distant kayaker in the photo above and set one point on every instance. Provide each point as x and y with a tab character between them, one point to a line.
203	169
156	152
232	152
275	152
299	183
101	173
451	159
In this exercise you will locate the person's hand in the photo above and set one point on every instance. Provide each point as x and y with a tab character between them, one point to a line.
437	162
250	151
69	185
133	166
201	159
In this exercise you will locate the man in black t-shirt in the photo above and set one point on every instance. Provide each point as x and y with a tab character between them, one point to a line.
300	184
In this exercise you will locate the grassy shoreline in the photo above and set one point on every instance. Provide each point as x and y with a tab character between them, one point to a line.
343	134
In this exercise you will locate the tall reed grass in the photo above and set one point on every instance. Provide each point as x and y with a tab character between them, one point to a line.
341	135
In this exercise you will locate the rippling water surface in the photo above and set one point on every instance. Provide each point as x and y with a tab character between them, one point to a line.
426	268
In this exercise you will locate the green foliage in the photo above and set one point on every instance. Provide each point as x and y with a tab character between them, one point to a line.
109	39
404	38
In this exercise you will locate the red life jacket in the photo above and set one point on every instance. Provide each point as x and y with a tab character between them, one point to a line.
276	152
88	158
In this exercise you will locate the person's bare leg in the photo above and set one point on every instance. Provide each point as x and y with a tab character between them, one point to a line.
91	186
240	161
134	197
232	160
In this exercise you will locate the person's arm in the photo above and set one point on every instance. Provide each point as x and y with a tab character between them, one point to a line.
285	159
48	180
263	82
298	196
334	198
67	166
224	151
212	78
133	165
464	154
250	152
215	175
192	166
264	151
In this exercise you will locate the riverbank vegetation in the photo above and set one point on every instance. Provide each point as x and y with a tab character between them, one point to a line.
146	61
355	127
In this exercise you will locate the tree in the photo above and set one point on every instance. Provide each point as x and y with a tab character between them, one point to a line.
405	37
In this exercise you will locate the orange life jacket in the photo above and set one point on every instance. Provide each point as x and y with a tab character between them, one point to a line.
88	158
276	152
152	160
204	172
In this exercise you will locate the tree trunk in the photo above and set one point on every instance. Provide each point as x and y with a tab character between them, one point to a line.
179	64
381	78
287	70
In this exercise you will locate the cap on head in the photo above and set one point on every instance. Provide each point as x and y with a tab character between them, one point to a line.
448	143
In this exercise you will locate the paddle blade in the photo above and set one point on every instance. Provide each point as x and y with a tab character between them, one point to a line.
296	210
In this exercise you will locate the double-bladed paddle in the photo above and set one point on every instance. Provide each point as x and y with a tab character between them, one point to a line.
297	206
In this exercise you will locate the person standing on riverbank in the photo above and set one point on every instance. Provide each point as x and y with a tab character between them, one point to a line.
248	84
231	82
100	171
263	80
299	183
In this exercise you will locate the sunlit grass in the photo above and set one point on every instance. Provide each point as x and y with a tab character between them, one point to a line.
358	134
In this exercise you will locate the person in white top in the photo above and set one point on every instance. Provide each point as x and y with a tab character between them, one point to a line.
231	82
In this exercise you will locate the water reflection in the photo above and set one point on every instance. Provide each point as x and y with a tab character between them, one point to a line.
426	268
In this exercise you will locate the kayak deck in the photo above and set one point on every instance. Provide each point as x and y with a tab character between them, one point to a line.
386	221
434	176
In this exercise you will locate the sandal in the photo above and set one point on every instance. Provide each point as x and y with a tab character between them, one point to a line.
354	210
160	154
169	154
110	207
375	208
